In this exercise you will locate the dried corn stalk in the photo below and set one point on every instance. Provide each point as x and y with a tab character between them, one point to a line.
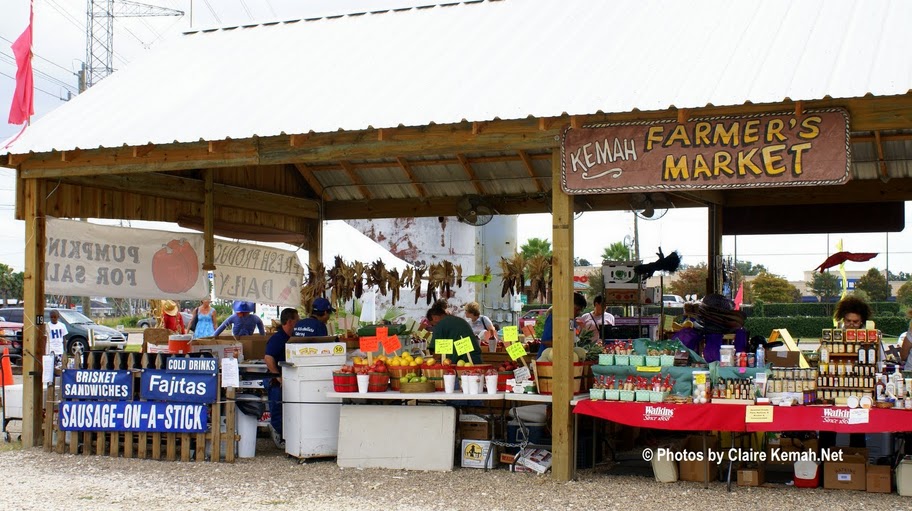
539	268
513	274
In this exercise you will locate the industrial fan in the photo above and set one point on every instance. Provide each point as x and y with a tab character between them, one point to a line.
473	210
650	206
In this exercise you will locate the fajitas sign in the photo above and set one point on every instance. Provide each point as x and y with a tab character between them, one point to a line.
764	150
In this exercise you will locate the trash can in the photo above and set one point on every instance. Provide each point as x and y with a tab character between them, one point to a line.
249	411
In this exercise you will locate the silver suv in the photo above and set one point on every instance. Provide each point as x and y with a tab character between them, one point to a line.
78	327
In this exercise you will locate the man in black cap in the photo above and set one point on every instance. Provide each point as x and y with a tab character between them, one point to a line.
275	353
315	325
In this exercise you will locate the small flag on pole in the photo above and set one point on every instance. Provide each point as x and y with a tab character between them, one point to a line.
23	105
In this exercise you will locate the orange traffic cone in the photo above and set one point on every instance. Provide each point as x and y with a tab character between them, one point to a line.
7	376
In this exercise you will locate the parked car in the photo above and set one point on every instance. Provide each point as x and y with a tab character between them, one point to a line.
78	327
530	317
151	322
672	301
11	337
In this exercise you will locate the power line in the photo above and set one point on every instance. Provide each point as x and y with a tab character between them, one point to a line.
42	58
42	74
36	88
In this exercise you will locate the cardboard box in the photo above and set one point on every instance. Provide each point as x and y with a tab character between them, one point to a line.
538	460
473	427
219	348
475	452
696	470
783	358
254	346
752	476
848	474
879	479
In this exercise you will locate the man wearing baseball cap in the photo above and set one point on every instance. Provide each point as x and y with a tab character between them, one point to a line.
315	325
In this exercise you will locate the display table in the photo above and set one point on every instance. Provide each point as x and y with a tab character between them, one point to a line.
392	395
683	376
680	417
716	417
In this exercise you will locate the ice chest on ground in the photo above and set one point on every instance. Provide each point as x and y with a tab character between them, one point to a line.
475	454
311	419
807	474
904	478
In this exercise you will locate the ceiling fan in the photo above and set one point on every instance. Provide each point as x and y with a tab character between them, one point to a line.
474	210
650	206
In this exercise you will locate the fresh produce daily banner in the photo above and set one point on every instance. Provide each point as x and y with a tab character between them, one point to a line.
91	259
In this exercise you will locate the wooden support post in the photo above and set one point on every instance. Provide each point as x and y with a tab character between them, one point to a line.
315	244
714	260
562	272
215	420
230	430
33	335
209	221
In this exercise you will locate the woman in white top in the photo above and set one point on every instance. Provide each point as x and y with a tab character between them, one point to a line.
481	325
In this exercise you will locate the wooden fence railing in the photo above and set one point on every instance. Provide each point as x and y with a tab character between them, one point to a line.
147	445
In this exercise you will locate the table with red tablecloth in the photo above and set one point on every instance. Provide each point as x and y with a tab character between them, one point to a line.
731	417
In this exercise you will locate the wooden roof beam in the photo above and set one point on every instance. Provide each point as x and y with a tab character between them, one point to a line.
407	168
193	190
471	172
353	175
878	143
312	181
524	156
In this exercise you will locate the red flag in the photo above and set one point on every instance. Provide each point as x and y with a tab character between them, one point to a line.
739	297
23	105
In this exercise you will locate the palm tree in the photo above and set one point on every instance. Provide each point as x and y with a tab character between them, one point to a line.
534	247
617	251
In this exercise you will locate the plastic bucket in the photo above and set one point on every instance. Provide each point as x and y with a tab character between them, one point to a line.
246	428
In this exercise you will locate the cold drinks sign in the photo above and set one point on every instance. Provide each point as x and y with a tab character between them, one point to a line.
764	150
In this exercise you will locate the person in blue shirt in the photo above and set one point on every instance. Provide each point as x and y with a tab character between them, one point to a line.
243	321
315	325
579	303
275	353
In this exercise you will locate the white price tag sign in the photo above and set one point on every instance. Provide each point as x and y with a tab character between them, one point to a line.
231	375
522	374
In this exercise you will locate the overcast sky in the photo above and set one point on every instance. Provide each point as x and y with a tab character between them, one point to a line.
59	47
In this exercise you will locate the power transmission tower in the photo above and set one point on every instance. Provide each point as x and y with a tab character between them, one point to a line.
100	33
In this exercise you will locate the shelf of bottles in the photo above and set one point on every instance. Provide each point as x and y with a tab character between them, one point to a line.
847	363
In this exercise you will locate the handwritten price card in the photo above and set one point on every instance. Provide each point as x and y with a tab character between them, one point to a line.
391	344
443	346
368	344
382	332
463	346
516	350
510	334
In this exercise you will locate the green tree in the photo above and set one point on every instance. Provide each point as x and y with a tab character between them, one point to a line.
617	251
875	285
773	289
7	283
690	280
596	285
579	261
904	294
900	276
534	247
824	286
748	268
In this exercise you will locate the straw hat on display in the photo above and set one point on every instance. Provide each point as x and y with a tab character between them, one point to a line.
169	307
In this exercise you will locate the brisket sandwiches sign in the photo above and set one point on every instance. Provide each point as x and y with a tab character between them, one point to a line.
763	150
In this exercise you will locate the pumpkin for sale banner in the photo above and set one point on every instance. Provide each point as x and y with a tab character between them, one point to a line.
257	273
99	260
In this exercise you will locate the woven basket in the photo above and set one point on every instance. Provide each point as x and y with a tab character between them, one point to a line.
417	388
397	372
379	382
544	372
345	382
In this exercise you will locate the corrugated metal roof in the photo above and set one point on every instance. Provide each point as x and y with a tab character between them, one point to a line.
505	59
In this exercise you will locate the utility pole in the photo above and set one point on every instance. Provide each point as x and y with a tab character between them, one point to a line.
100	32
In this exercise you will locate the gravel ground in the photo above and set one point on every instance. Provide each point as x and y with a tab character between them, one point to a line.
38	480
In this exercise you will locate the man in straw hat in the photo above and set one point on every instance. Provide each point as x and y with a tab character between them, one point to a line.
171	318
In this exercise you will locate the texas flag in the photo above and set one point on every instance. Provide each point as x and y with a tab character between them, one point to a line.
23	105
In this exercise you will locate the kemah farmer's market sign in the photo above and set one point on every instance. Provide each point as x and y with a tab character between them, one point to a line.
764	150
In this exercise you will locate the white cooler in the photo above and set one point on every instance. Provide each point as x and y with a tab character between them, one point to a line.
310	420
